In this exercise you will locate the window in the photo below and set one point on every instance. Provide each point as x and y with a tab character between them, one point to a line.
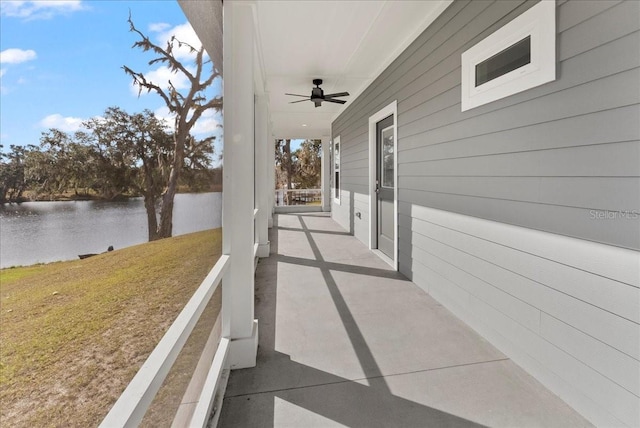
336	170
512	58
519	56
387	158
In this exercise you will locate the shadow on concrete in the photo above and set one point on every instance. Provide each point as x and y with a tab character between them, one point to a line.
327	232
366	402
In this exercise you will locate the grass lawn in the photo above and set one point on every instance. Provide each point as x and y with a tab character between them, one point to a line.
73	334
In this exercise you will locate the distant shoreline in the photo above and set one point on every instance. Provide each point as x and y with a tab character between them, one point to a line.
91	197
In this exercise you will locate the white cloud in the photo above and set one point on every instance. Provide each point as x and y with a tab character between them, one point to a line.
16	56
29	10
3	71
158	27
66	124
208	124
164	115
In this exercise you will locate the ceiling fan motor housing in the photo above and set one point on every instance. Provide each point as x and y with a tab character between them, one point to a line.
317	94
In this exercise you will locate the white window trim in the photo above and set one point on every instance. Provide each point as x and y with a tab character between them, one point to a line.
336	189
539	23
391	109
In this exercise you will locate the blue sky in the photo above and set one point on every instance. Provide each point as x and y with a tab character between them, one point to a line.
61	63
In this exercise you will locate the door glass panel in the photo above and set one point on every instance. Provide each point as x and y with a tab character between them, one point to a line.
388	157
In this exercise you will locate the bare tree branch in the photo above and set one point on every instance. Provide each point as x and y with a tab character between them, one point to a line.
145	44
187	109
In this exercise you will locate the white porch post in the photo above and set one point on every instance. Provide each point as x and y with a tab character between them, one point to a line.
325	168
262	187
238	185
271	171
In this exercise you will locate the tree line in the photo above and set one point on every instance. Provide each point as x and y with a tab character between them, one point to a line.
117	155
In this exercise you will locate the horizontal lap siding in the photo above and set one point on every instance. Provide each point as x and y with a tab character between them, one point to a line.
519	215
557	135
557	131
568	319
354	178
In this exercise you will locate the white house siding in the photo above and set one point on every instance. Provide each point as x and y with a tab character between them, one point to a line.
518	215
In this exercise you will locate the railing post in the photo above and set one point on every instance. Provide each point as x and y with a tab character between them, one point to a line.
238	185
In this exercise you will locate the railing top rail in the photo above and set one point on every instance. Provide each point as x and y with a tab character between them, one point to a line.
132	405
301	190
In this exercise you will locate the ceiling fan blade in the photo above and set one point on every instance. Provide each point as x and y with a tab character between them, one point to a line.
301	101
296	95
339	94
335	101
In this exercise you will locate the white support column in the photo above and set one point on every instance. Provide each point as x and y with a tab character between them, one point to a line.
263	190
325	169
271	171
238	185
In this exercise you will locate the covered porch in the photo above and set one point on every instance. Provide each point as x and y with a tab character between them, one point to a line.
346	341
326	333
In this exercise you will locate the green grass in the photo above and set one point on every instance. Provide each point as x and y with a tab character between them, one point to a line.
74	333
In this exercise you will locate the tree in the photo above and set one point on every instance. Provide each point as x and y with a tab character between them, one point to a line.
133	152
81	169
284	166
47	168
187	107
60	164
301	168
308	164
12	173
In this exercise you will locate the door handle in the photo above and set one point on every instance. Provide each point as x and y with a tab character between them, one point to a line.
377	190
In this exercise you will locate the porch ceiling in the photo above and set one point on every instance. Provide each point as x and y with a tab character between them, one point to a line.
347	44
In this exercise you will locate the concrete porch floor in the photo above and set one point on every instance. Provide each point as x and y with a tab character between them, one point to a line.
346	341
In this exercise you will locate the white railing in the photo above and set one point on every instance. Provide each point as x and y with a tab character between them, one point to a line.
132	405
285	197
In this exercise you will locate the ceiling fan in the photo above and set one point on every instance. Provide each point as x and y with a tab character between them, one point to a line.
318	96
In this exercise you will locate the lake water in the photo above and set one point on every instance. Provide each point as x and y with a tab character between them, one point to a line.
42	232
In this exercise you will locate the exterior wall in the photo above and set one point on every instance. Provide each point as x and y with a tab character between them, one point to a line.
513	214
340	210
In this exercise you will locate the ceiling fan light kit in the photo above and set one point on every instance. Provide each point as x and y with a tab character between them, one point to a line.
317	95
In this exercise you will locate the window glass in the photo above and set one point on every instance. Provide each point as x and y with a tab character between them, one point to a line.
512	58
388	157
